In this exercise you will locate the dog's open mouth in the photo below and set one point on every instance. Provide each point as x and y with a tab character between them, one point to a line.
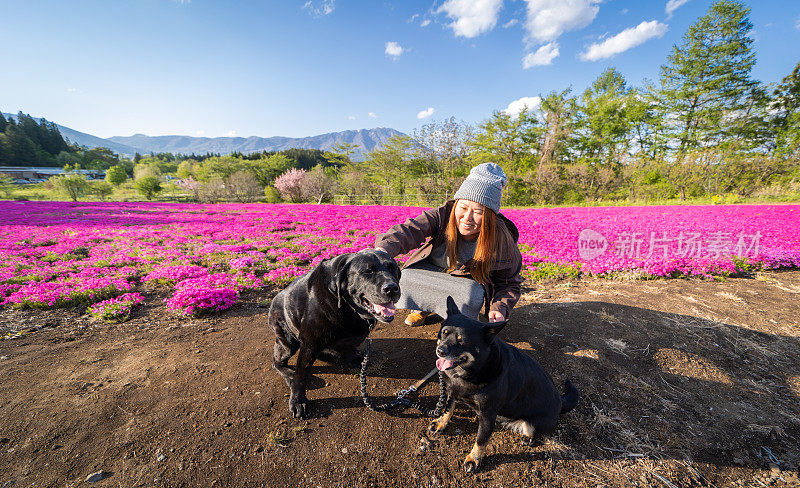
383	311
443	364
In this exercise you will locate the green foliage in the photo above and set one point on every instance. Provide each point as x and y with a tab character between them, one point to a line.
101	188
25	140
271	195
785	121
706	84
148	186
116	175
73	185
545	271
6	185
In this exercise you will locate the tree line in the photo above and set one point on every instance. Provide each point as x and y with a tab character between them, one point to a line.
25	140
707	128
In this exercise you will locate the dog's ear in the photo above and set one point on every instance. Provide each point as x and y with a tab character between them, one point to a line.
452	308
341	284
492	329
338	285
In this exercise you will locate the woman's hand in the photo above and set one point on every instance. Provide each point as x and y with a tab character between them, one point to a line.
495	316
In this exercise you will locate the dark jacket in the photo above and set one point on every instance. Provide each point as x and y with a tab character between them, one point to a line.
502	293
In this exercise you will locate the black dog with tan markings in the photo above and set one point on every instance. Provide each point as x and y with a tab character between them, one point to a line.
496	380
330	310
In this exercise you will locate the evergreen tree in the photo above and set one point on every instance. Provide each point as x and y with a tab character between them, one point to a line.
785	106
20	149
3	122
605	122
706	85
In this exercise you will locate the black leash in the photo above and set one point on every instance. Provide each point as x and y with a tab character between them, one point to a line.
402	396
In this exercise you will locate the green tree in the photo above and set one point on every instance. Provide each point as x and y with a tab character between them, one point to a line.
785	107
19	148
387	163
101	188
116	175
73	185
186	169
148	186
339	155
6	185
268	168
706	86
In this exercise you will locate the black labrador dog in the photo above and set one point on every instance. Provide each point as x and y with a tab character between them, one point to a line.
330	311
496	380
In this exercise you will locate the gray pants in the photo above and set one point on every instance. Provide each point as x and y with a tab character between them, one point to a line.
424	287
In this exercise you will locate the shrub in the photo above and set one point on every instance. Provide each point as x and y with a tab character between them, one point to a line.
271	195
116	309
148	186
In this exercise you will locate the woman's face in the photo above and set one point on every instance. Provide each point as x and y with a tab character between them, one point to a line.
469	216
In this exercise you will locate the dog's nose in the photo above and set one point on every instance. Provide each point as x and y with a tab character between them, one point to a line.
390	289
441	351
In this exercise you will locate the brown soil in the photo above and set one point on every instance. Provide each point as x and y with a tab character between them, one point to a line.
684	383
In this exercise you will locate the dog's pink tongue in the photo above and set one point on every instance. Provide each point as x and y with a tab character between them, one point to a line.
387	309
443	364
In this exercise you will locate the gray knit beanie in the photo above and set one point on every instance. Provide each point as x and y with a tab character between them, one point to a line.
484	185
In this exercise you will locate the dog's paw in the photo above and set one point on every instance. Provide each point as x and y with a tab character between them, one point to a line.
471	466
472	463
299	407
355	361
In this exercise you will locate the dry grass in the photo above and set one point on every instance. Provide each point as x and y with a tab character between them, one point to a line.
729	296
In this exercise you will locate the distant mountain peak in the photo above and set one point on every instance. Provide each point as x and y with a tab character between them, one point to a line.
364	140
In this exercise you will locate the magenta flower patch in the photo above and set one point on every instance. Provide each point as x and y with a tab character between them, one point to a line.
62	254
116	309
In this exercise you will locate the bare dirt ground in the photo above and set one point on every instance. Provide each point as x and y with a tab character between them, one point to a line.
684	383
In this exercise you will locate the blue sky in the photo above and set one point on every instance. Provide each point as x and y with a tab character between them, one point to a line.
300	68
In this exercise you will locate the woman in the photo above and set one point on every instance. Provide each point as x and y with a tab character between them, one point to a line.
469	238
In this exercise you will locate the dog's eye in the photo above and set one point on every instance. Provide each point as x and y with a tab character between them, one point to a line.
458	338
445	332
368	271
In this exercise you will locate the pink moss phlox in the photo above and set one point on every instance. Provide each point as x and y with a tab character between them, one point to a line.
116	309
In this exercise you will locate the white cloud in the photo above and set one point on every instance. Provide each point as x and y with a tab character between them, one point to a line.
320	7
531	103
510	23
542	57
373	115
231	133
413	18
471	17
425	23
199	133
625	40
393	49
548	19
672	5
797	24
351	117
425	113
72	90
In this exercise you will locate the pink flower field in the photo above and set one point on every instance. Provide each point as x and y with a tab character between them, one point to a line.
58	254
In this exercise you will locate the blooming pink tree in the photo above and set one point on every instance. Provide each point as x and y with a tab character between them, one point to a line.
289	184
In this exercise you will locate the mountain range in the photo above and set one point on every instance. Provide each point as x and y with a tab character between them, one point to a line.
365	140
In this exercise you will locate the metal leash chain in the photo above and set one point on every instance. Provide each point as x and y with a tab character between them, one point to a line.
402	395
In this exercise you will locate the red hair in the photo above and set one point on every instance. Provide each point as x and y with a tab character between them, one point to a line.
487	249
